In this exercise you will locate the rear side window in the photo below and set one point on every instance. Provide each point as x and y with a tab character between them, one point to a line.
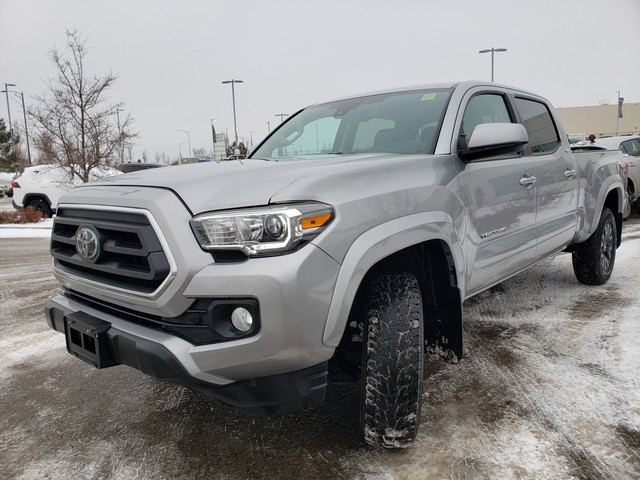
632	148
543	135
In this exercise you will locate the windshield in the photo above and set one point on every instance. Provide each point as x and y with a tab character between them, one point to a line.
404	123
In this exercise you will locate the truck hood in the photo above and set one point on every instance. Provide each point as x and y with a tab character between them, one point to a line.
231	184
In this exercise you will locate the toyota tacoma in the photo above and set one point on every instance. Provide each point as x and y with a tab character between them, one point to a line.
341	249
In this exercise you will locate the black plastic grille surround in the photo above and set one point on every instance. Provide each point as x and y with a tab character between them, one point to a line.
131	255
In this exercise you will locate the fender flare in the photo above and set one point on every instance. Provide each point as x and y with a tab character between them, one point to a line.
377	244
610	184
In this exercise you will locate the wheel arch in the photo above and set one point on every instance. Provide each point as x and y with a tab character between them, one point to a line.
424	244
29	197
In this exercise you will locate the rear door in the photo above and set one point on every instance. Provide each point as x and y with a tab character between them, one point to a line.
556	175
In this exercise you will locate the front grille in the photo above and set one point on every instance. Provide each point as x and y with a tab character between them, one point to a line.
131	255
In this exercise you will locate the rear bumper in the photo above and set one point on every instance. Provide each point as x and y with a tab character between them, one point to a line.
266	395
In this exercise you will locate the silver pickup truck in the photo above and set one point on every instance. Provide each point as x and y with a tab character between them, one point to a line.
340	250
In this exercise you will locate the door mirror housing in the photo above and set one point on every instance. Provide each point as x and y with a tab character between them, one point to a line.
488	139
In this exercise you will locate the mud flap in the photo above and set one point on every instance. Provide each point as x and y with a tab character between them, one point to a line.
443	329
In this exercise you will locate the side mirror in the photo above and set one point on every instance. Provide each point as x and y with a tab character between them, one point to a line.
489	139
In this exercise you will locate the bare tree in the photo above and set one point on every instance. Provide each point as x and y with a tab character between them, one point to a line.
76	127
161	157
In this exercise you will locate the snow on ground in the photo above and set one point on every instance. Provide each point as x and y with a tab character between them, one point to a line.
548	388
27	230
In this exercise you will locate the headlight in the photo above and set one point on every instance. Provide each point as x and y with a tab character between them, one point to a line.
261	231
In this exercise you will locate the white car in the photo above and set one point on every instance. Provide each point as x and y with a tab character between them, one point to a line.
41	186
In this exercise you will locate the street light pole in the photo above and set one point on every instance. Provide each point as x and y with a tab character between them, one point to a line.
189	138
213	135
492	50
6	91
180	147
26	130
233	97
281	115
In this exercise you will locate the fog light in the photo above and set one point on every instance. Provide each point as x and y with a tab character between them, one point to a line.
241	319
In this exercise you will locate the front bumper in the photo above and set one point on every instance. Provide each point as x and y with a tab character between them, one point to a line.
273	394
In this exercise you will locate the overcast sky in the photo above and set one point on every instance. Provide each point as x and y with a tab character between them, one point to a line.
171	56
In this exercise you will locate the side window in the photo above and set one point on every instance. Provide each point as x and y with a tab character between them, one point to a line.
632	148
543	135
484	108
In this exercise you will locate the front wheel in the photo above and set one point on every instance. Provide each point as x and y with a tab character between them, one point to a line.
392	362
594	258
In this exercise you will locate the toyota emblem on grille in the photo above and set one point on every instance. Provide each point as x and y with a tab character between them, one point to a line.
87	243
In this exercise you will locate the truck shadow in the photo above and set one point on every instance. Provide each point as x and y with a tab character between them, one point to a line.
213	437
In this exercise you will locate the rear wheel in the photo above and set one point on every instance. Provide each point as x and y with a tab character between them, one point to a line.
393	362
594	258
41	205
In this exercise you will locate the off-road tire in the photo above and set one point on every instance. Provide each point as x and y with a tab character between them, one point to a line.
392	362
41	205
594	258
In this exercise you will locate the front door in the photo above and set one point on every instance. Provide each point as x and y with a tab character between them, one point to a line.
500	200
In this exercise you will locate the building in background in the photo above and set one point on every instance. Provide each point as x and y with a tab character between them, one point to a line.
601	120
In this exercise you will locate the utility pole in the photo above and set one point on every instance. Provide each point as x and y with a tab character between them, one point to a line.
281	115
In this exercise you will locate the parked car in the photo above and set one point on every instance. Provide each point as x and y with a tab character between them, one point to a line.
630	148
340	250
42	186
5	184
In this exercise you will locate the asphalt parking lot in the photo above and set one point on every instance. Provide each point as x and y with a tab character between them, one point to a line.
548	388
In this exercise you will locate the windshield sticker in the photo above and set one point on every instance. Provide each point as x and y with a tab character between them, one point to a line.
428	96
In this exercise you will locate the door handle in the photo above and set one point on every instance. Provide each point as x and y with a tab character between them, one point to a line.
527	181
570	173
